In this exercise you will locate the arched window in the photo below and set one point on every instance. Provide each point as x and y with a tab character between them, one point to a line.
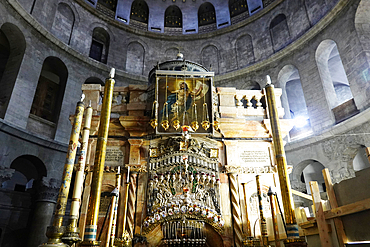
332	73
173	17
139	11
100	45
135	58
279	32
361	160
109	4
48	98
210	58
206	14
236	7
244	51
296	109
63	23
12	47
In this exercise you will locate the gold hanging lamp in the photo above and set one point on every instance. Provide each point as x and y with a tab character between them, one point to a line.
176	121
154	116
194	124
165	123
205	116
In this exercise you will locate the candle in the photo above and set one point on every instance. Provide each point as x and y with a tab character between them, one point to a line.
128	174
119	170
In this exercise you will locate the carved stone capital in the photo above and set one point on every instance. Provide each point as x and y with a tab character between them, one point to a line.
47	189
5	174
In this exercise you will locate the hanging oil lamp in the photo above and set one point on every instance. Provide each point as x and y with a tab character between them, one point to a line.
194	124
176	121
165	123
154	115
205	117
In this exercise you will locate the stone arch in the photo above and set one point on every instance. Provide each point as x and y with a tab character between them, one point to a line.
295	103
111	4
64	22
237	7
244	51
362	25
94	80
361	161
279	31
209	57
47	102
206	14
12	48
316	9
173	17
312	171
135	58
332	73
139	11
27	169
99	48
170	53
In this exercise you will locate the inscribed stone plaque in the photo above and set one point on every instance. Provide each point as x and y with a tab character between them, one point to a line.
114	156
254	157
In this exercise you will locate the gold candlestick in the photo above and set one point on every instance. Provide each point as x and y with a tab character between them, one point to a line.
291	223
72	231
113	213
274	220
262	218
56	231
94	201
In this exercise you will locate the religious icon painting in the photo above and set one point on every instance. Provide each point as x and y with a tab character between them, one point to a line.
184	101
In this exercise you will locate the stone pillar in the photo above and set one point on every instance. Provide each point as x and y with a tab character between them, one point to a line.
46	197
131	205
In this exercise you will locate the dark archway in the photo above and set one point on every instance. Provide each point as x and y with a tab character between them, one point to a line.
173	17
100	45
139	11
12	48
206	14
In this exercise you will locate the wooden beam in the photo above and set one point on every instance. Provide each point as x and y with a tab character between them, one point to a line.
348	209
342	237
325	238
298	193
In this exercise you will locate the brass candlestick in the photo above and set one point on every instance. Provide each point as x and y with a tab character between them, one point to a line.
291	223
56	231
262	218
94	201
71	235
113	214
274	219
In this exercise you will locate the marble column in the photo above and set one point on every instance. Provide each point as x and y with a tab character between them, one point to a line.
46	197
237	216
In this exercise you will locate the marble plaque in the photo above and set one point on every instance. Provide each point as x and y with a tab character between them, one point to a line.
255	157
114	156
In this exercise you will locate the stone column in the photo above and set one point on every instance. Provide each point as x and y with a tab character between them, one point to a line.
46	197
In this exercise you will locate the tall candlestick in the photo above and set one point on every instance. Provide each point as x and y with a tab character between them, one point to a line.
97	179
291	223
128	174
55	232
